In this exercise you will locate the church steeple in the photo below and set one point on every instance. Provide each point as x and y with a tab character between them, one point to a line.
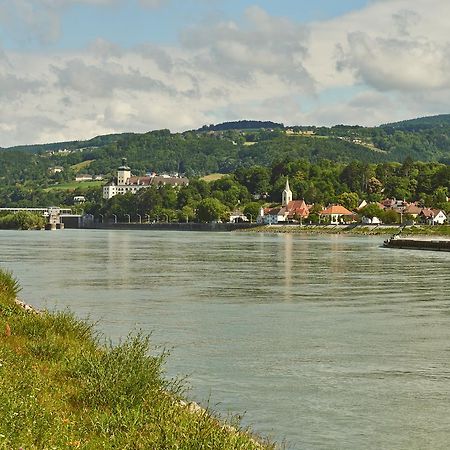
286	196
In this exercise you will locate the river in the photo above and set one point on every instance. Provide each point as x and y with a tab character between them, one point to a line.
325	342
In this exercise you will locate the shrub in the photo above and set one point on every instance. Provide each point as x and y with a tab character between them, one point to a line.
22	220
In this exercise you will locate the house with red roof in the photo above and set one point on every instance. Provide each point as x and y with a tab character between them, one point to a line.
433	216
337	214
290	210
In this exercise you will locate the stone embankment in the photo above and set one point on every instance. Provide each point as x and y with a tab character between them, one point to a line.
190	226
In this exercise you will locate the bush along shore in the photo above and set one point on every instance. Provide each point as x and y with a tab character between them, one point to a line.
356	229
61	388
23	220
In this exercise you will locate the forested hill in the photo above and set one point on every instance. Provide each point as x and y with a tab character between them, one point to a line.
242	125
207	150
441	121
98	141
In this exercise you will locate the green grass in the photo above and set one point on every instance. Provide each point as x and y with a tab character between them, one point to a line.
61	387
213	177
82	165
72	185
416	230
428	230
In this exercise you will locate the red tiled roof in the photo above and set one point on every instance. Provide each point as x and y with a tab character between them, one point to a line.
156	180
336	209
430	213
412	209
297	207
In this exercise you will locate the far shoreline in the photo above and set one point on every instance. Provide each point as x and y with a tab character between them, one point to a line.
355	230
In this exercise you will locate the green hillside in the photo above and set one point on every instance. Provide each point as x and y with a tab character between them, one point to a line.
225	148
421	123
97	141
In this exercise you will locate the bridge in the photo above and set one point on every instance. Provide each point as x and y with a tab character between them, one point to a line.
43	211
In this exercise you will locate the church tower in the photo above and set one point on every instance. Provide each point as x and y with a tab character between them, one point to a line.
123	173
286	196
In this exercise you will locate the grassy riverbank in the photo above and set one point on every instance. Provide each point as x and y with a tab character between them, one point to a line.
60	388
416	230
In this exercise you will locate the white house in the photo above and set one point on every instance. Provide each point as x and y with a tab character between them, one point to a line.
83	177
238	216
56	169
79	199
337	214
433	216
371	220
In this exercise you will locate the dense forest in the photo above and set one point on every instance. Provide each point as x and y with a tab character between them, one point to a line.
407	160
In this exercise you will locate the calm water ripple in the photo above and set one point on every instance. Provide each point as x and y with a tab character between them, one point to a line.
327	342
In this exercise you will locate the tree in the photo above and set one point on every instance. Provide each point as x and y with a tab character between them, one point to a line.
440	195
22	220
251	210
186	214
256	179
371	210
349	199
211	209
390	217
374	186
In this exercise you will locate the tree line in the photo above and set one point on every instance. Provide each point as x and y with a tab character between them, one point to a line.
247	188
320	183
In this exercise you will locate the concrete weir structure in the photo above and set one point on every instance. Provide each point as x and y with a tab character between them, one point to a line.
53	215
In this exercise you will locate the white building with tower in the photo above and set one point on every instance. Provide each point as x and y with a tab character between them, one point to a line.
286	196
289	211
125	182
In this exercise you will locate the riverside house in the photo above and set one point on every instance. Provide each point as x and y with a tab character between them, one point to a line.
337	215
433	216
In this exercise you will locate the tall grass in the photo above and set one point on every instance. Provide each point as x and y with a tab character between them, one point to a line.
60	387
9	286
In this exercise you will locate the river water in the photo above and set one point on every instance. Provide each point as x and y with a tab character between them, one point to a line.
325	342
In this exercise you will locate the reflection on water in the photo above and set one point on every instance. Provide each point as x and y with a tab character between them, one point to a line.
288	245
327	341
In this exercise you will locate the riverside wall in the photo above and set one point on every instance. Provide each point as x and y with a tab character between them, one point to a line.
190	226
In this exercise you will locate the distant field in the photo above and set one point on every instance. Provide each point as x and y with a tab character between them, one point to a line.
316	136
213	177
82	165
72	185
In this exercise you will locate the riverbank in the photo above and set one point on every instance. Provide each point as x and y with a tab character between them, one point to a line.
364	230
60	387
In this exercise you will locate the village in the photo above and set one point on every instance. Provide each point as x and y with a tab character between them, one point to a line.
292	211
299	212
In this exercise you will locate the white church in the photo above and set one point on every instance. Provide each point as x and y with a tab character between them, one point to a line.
289	211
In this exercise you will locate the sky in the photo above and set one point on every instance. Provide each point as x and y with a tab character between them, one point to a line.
74	69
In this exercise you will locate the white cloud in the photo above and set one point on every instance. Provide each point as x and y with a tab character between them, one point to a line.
264	44
395	52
